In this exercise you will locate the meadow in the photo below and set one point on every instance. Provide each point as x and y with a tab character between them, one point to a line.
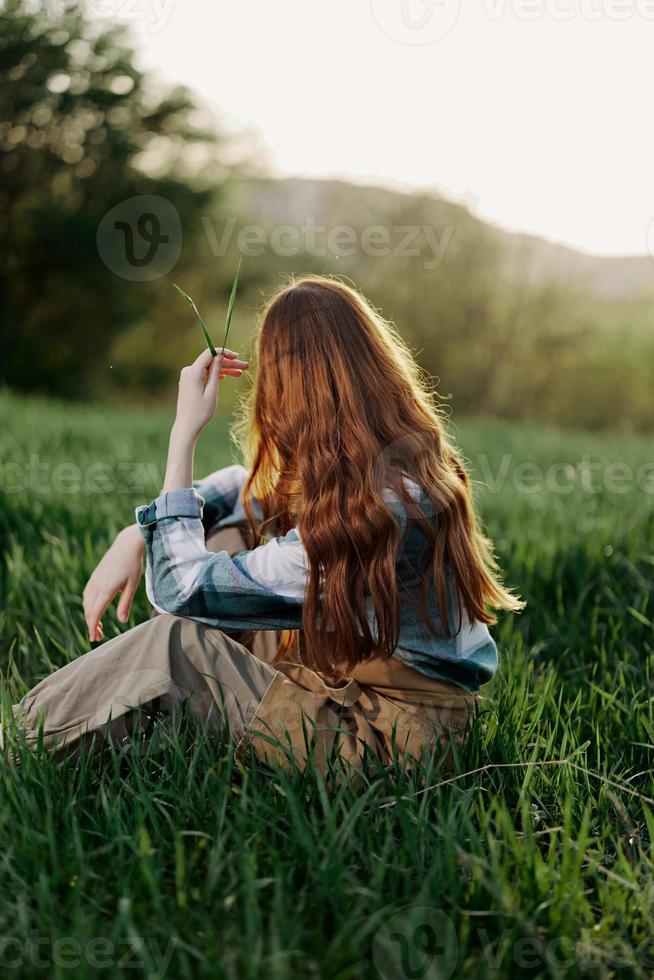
534	860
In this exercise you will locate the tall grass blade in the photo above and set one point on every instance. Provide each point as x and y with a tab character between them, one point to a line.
207	336
232	300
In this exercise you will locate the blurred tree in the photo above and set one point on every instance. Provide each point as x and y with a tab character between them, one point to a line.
82	130
93	154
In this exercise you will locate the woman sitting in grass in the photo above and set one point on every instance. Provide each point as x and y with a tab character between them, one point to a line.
366	566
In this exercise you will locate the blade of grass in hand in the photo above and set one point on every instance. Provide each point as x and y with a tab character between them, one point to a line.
232	300
207	336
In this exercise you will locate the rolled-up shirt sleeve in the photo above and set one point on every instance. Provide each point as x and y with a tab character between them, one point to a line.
222	493
262	588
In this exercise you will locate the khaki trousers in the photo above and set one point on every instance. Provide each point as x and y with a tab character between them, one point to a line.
283	713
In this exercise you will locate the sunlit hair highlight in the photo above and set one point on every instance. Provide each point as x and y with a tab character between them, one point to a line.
338	413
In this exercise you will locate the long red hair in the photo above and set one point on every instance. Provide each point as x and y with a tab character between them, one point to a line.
340	412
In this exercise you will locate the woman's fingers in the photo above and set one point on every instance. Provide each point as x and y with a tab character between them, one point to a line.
125	603
227	367
203	360
92	617
232	368
93	610
88	603
211	387
96	603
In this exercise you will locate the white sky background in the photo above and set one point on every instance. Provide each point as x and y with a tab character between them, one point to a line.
537	113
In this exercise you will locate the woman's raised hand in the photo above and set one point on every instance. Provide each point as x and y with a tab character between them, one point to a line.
198	389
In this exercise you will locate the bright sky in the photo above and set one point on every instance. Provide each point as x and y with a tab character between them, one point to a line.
537	113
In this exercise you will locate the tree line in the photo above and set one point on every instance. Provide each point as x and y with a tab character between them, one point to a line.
113	187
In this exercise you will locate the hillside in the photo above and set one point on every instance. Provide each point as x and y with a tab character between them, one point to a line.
293	201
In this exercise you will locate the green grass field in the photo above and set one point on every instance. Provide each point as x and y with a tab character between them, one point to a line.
175	864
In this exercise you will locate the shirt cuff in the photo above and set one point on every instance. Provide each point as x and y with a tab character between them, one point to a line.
175	503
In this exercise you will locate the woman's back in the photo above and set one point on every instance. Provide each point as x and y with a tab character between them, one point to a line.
468	657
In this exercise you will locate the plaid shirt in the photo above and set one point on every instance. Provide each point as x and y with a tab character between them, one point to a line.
264	588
